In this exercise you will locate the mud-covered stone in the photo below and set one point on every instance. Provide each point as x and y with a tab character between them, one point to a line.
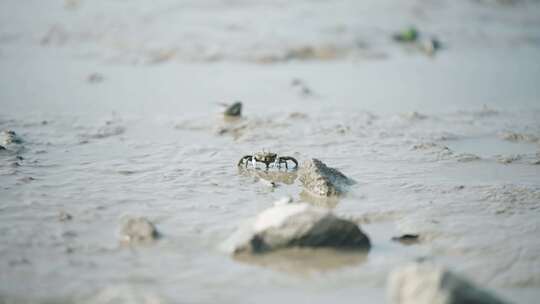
8	137
138	230
427	283
321	180
296	225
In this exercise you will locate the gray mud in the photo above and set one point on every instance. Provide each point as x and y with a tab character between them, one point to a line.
118	118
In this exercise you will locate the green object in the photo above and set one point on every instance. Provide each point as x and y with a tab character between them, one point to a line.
408	35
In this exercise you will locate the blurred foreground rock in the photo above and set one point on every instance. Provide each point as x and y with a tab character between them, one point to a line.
296	225
426	283
321	180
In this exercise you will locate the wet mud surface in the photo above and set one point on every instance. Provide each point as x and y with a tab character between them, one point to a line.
117	118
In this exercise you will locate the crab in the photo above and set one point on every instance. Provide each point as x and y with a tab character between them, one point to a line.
267	158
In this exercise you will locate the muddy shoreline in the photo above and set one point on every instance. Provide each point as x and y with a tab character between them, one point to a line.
119	118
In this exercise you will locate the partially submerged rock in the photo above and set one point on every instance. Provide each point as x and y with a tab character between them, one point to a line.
233	110
321	180
407	239
8	137
296	225
426	283
138	230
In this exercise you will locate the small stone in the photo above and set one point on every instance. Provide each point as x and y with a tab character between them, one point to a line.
9	137
518	137
95	78
26	179
407	239
430	46
321	180
234	110
413	116
297	225
64	216
426	283
138	231
467	157
508	159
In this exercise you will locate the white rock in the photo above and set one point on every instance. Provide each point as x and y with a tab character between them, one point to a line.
296	225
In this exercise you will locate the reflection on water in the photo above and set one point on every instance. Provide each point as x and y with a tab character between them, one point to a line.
304	261
320	201
274	176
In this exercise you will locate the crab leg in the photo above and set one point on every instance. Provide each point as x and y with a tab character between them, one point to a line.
245	159
284	160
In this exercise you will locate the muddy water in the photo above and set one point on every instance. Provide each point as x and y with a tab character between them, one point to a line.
108	134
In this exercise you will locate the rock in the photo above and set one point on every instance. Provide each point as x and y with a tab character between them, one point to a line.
296	225
426	283
108	131
322	52
64	216
430	46
298	115
518	137
414	116
407	239
26	179
2	148
138	230
8	137
321	180
304	89
508	159
95	78
466	157
234	110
